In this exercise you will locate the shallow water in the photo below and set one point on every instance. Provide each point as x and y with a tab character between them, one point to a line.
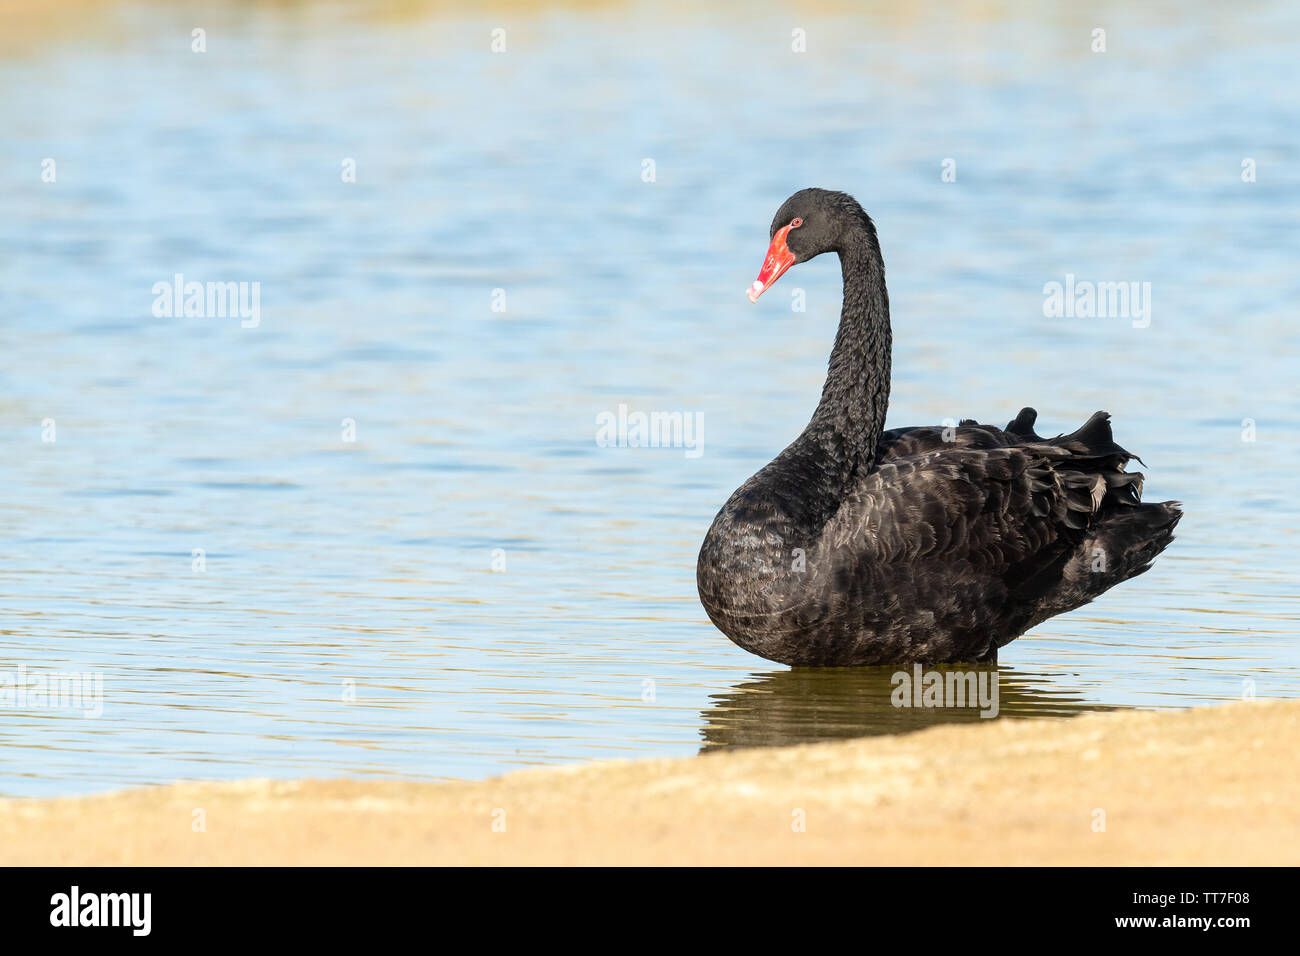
364	569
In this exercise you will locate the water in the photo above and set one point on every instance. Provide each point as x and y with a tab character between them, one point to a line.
365	568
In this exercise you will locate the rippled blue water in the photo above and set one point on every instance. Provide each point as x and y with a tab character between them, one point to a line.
365	568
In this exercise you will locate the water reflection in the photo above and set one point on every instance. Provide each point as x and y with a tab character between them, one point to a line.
807	705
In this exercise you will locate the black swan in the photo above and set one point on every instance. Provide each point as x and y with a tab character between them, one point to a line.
860	546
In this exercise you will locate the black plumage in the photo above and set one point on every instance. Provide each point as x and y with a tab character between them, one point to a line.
858	545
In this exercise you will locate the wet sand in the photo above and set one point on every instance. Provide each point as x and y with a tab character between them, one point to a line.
1208	786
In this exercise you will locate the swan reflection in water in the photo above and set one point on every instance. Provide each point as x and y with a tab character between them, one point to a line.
807	705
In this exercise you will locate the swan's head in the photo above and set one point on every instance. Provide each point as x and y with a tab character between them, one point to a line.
810	222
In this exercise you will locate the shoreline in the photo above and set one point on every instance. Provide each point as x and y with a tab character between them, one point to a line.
1207	786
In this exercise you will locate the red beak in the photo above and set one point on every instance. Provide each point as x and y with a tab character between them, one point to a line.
779	258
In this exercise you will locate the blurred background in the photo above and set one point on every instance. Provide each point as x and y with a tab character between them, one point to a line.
473	234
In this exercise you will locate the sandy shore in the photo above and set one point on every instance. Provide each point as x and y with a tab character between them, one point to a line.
1213	785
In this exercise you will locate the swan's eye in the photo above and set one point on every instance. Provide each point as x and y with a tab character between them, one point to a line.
796	223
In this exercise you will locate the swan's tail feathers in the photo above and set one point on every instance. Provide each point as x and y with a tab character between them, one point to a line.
1121	545
1125	542
1123	534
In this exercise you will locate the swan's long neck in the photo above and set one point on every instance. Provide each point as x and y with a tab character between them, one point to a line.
851	415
